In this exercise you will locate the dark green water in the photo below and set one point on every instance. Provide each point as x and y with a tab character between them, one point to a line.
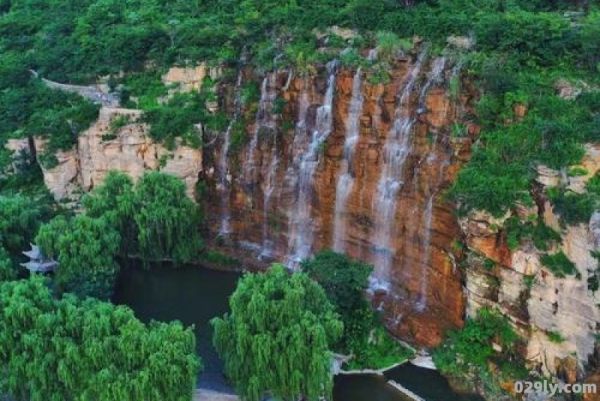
427	383
365	388
191	295
195	295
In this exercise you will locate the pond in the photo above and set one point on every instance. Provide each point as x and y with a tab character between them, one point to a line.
191	295
195	295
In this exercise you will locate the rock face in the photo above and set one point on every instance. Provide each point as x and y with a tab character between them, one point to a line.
125	147
333	160
541	305
340	161
188	79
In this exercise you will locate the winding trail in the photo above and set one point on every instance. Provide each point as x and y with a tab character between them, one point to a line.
94	93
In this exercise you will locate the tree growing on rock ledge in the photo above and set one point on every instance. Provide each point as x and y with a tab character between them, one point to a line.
276	339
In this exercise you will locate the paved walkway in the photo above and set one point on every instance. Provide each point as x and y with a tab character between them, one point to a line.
95	93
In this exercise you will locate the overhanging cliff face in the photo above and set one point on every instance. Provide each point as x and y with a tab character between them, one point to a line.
332	160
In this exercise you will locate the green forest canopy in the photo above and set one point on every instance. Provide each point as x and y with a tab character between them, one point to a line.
67	349
521	48
277	338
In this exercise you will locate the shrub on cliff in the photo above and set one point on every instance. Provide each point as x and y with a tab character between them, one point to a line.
68	349
277	338
560	264
485	339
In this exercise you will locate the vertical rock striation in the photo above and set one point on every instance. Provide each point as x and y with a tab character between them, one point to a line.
360	167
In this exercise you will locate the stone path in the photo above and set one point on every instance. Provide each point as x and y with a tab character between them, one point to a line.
95	93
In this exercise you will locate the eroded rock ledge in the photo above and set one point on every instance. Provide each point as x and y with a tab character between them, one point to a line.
126	147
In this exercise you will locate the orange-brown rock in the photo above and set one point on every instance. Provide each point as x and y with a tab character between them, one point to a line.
431	166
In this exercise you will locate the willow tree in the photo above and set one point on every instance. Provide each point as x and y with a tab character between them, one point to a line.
68	349
167	220
85	249
113	201
276	340
7	270
19	219
155	217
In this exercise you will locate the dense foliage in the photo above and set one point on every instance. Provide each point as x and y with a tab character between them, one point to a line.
470	352
30	109
83	39
19	220
277	338
521	48
68	349
155	217
20	217
345	282
85	249
7	269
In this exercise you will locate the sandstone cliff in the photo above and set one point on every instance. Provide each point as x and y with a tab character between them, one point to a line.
540	304
123	146
335	159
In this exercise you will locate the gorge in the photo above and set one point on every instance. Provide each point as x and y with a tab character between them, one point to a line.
362	168
452	148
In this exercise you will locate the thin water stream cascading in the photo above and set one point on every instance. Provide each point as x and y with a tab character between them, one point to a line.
301	230
345	181
264	119
223	162
269	187
396	152
427	223
435	77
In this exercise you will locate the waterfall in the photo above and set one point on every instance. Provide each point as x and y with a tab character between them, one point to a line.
426	243
372	56
224	184
395	152
269	187
345	181
264	119
301	229
435	77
